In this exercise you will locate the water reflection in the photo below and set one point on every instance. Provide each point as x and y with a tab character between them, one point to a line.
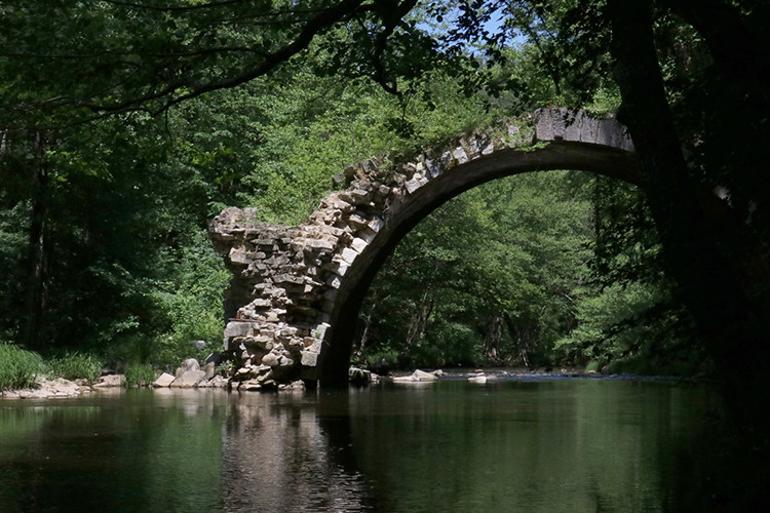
282	454
572	446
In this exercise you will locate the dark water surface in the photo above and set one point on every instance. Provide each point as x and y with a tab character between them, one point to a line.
574	446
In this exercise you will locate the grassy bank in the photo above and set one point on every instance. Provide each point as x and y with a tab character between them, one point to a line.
18	368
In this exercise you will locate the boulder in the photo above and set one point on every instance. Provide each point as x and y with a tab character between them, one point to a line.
251	385
47	389
217	382
199	345
210	370
297	385
189	379
215	357
360	377
479	379
190	364
420	375
270	359
265	376
164	380
110	381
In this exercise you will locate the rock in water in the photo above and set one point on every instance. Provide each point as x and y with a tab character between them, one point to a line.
189	379
360	377
217	382
479	379
164	380
420	375
110	381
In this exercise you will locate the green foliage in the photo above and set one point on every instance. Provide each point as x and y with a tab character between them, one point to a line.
190	304
18	367
320	125
382	359
75	365
487	278
140	375
510	268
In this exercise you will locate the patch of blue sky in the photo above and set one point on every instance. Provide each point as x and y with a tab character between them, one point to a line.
494	24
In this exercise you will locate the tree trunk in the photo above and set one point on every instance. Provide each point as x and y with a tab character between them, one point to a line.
702	246
37	264
493	335
522	340
367	323
420	319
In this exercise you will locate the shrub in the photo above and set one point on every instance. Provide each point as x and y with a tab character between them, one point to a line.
18	368
76	366
139	375
382	361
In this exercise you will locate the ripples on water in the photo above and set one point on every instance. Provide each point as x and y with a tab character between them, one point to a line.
540	446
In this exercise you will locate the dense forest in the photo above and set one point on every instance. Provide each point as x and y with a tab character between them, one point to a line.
532	269
126	126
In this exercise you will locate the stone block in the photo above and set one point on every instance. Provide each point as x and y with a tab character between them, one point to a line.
270	359
251	385
412	185
309	359
348	255
358	245
238	329
164	380
460	155
238	257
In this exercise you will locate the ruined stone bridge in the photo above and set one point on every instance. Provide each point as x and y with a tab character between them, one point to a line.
294	297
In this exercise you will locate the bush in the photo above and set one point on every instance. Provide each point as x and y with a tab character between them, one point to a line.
189	303
382	361
76	366
139	375
18	368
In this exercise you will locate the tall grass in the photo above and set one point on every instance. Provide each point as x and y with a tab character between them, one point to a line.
76	366
139	375
18	367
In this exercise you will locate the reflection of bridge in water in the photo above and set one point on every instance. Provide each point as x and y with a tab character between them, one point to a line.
290	454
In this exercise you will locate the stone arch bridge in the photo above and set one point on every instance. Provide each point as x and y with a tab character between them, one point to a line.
294	296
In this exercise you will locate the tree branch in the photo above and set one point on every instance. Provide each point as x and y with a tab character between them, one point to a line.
321	22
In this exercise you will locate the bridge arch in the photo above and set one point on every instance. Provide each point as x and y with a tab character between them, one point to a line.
295	294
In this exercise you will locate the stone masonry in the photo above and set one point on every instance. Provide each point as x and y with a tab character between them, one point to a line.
285	294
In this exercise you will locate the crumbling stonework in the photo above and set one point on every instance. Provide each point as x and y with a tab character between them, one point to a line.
295	290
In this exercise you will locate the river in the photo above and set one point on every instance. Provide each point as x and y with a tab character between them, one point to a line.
528	445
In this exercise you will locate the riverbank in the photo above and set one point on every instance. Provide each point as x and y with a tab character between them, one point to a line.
76	375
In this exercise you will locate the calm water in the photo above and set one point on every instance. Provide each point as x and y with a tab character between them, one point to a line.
551	446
